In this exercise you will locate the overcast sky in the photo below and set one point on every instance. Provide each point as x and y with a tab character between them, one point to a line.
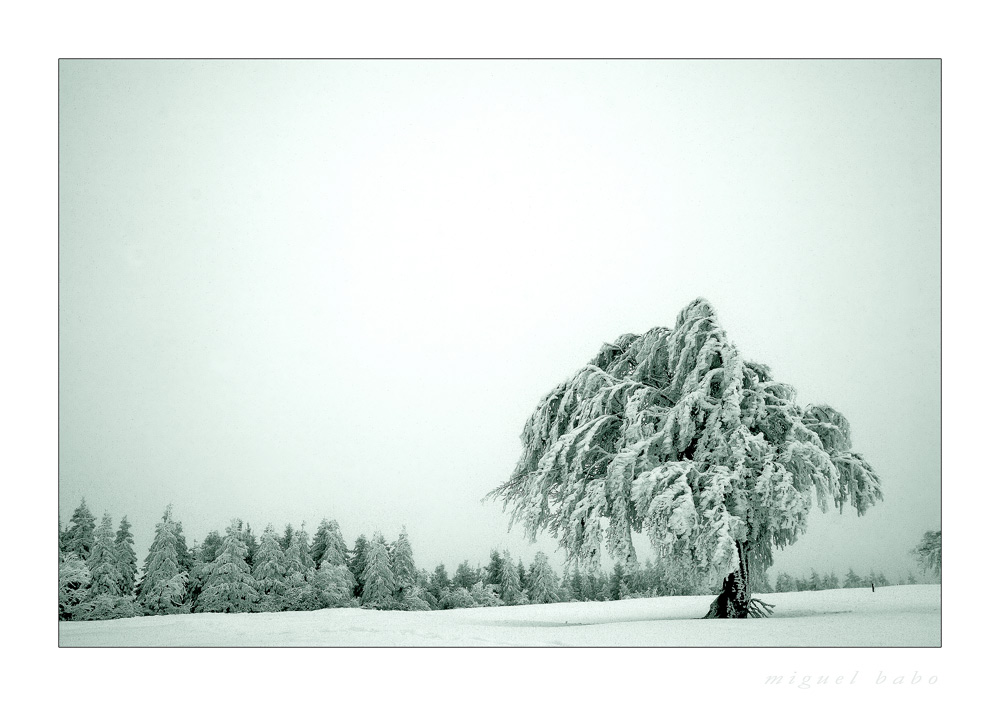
296	290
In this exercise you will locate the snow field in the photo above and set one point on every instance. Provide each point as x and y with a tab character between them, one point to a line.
891	616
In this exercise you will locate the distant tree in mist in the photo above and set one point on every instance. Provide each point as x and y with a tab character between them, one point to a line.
928	552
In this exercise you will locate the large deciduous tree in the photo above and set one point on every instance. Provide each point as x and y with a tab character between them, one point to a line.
673	433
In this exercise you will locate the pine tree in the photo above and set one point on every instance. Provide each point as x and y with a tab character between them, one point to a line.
784	583
852	580
300	558
185	559
542	581
377	576
510	586
74	577
103	563
328	544
439	584
357	563
333	585
286	539
163	584
465	576
928	553
494	570
211	547
269	568
831	581
250	540
673	433
125	553
404	571
615	582
80	533
230	587
483	595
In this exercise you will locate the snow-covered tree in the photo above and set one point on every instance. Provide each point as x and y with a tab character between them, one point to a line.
784	583
377	576
483	595
269	568
333	585
328	544
412	599
510	585
74	577
163	584
211	547
356	563
404	571
674	434
103	563
439	582
299	557
928	552
286	539
542	581
852	580
465	576
494	569
230	587
79	535
125	552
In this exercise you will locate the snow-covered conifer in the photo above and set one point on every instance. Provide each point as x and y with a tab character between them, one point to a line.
163	584
439	582
465	576
286	539
494	569
300	553
74	577
103	563
510	586
852	580
125	553
377	576
269	568
928	552
333	585
404	570
356	563
230	588
484	595
784	583
674	434
542	581
80	532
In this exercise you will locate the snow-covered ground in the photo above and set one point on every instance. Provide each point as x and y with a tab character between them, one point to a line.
891	616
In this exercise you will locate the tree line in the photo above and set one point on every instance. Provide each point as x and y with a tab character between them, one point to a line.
235	571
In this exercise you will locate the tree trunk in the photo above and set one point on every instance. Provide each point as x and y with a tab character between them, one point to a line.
734	601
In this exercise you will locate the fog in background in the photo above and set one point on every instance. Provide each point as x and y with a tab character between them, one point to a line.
295	290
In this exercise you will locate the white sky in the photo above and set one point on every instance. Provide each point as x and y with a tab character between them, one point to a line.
291	290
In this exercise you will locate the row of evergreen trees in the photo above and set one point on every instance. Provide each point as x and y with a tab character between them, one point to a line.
236	572
227	573
786	583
